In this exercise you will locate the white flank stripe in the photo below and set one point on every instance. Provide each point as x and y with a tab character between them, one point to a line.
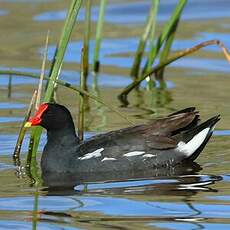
148	155
96	153
109	159
189	148
134	153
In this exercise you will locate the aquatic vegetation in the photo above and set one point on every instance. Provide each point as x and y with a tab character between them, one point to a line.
159	47
22	131
82	103
56	66
176	56
191	197
149	29
165	39
85	53
96	62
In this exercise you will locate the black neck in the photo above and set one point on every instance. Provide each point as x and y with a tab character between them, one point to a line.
64	136
60	150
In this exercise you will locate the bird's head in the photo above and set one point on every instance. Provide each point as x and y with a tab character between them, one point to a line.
51	116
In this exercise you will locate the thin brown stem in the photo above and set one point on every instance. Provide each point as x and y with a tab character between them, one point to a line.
123	95
38	100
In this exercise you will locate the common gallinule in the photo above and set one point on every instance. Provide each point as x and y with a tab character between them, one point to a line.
162	143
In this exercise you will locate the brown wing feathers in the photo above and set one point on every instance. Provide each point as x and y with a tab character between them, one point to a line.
164	131
175	123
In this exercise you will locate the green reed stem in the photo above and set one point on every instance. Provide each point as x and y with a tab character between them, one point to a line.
152	34
163	36
65	36
82	100
150	83
100	22
142	42
38	101
22	131
34	172
35	214
165	52
21	74
86	39
58	60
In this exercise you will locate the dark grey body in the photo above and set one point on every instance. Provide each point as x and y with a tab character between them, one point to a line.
71	171
63	156
115	146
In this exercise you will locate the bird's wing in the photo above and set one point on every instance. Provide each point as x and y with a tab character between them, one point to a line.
160	142
159	134
173	124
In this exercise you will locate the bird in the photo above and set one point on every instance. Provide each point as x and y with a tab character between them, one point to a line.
162	143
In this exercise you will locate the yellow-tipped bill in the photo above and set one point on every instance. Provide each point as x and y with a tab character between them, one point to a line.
28	124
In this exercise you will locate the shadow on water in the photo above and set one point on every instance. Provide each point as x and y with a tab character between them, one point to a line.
113	180
133	196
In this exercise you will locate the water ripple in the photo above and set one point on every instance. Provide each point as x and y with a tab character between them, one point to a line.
10	119
11	105
135	12
221	132
113	50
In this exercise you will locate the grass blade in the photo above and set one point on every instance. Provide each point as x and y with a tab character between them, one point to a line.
82	100
86	39
165	52
142	42
65	36
35	212
96	62
37	103
17	150
150	83
152	34
58	60
165	33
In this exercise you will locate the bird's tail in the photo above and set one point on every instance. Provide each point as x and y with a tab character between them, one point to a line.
195	139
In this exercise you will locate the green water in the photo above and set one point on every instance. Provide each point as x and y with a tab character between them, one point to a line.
198	199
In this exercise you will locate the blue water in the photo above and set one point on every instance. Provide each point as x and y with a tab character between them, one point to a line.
136	12
197	198
113	50
7	105
72	77
3	12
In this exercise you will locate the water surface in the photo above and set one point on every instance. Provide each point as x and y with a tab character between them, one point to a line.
194	197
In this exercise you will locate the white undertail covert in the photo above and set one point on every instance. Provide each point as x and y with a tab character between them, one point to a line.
190	147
